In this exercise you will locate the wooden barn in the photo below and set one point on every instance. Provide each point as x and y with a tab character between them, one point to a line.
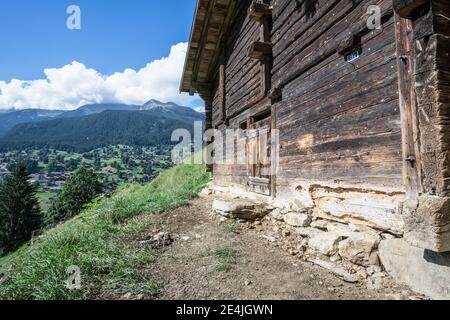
358	92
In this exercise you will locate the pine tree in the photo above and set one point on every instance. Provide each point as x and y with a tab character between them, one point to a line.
20	214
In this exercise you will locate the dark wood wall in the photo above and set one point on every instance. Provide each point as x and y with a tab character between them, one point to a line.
337	120
242	74
242	84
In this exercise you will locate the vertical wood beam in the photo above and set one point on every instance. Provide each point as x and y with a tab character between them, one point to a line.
427	217
222	85
274	152
250	152
266	63
208	99
404	36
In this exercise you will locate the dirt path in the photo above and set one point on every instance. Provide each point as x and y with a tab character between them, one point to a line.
261	270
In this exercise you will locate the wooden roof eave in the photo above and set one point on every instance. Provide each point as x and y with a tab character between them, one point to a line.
184	77
211	22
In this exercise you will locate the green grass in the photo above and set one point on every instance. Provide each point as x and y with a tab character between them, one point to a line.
225	258
98	243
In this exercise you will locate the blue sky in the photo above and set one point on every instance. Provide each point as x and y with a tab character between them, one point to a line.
115	35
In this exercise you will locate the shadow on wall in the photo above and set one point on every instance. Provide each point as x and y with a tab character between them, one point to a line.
441	259
311	6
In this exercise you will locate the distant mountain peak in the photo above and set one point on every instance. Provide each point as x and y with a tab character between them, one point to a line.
153	103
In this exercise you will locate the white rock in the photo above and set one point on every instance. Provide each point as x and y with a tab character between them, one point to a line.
243	209
296	205
359	247
297	219
335	258
308	232
361	228
339	228
338	271
277	215
325	243
320	224
387	236
226	206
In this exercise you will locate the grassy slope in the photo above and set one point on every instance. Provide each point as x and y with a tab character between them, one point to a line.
95	243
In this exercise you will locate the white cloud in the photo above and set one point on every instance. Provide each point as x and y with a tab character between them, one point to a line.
199	109
75	85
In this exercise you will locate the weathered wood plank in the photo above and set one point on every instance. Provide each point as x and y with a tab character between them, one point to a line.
408	106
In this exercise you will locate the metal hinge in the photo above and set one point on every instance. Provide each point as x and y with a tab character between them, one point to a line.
411	160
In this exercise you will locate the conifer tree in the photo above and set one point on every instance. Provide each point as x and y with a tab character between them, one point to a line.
20	214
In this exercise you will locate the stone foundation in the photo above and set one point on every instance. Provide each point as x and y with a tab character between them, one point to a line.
424	271
374	206
427	223
350	251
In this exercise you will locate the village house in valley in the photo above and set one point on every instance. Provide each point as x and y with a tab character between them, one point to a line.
358	92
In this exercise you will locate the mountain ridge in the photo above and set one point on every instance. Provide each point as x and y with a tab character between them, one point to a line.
9	118
146	125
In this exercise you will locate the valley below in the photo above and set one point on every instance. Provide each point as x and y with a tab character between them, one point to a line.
115	166
122	144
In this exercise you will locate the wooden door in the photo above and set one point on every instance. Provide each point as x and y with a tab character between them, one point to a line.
259	155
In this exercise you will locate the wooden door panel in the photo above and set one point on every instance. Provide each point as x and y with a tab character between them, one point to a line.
259	155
